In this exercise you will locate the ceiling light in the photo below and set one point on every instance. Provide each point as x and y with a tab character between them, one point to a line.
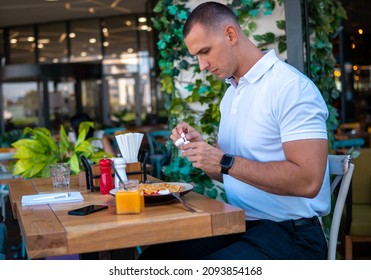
142	19
13	41
115	3
31	39
62	37
92	40
105	44
44	41
91	10
72	35
128	22
105	32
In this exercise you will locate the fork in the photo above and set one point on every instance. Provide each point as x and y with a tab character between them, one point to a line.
186	205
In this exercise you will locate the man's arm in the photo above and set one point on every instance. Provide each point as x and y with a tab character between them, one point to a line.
301	174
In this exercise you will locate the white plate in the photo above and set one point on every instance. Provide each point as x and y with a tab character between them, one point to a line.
162	198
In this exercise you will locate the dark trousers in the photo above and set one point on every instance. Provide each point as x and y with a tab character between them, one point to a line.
263	240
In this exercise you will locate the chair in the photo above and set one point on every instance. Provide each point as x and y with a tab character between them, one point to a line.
359	227
351	126
158	153
342	169
3	237
4	192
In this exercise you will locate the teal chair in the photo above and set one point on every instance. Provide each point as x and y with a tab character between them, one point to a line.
3	236
159	155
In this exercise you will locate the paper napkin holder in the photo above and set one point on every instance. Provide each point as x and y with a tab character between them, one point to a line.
90	177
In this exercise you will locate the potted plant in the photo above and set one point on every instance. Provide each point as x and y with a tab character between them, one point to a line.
35	153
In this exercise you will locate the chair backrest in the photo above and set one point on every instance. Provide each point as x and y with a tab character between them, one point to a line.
3	237
157	140
361	183
340	167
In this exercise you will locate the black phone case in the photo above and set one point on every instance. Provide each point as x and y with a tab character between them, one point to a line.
86	210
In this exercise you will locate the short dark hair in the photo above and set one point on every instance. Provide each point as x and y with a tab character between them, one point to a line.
209	14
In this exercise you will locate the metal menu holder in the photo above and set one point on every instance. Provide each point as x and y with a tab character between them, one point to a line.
91	174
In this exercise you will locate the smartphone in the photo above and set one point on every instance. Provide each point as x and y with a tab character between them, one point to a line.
87	210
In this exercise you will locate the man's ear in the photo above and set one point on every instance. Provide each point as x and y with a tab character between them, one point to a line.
231	33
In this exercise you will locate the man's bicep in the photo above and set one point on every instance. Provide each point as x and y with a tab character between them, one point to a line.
309	154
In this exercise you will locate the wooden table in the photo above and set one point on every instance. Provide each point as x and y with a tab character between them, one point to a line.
48	230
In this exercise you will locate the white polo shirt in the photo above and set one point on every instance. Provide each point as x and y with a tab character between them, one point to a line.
273	103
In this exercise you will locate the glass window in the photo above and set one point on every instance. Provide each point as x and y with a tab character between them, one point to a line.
52	43
20	104
91	99
62	103
85	38
120	37
22	45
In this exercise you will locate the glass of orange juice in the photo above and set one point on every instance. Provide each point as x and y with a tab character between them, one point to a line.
129	198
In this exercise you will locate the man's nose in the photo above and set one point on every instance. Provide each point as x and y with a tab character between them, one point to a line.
204	65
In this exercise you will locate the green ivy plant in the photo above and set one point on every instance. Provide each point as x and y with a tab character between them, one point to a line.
39	149
324	16
324	25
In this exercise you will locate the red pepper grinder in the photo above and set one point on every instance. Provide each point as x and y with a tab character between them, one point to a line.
106	180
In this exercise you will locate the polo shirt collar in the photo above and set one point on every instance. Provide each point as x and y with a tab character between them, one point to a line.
258	70
261	67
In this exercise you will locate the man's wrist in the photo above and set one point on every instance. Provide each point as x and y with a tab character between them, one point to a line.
226	163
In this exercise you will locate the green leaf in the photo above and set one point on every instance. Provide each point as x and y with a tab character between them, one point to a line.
30	144
172	9
84	128
74	164
281	24
159	7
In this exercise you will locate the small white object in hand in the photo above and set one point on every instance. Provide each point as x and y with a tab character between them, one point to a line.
182	140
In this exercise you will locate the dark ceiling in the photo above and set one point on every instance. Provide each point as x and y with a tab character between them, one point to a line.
24	12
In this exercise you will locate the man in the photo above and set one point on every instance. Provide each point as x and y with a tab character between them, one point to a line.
272	147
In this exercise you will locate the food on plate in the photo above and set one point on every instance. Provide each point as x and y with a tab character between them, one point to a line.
161	188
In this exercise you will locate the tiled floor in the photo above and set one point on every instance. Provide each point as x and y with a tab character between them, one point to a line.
362	251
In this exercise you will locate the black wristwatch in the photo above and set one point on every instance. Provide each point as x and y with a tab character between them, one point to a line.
226	163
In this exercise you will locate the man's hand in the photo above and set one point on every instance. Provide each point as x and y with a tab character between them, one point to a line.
191	134
203	156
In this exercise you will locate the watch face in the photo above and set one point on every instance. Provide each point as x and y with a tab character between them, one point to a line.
227	160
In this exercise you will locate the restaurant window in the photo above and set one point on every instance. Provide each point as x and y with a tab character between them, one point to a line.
85	39
52	43
91	99
120	36
22	45
20	104
62	103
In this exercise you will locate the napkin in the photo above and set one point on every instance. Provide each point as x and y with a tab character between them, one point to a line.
49	198
129	145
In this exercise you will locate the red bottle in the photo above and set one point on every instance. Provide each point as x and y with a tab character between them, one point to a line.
106	180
